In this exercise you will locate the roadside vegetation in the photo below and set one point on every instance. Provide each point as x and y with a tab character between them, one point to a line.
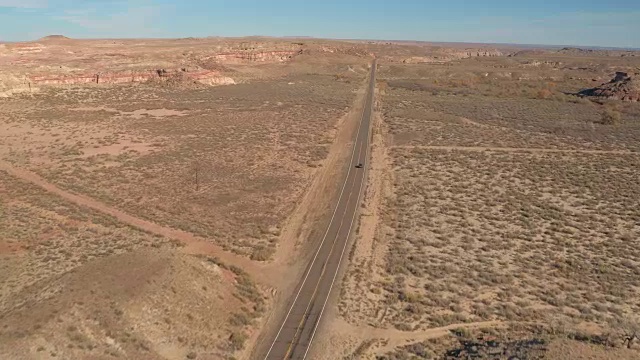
508	199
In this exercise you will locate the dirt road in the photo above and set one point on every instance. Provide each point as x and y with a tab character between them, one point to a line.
192	244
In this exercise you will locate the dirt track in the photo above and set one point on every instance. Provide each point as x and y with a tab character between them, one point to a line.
512	149
193	244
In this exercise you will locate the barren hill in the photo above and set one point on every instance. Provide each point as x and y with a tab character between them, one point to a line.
147	304
55	37
573	51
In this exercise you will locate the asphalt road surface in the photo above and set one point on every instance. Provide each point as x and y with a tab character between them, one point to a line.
298	329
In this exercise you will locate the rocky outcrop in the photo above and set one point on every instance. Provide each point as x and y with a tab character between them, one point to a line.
529	52
202	76
11	84
481	53
621	77
256	56
423	60
597	52
339	50
70	79
538	63
446	56
25	48
623	87
210	78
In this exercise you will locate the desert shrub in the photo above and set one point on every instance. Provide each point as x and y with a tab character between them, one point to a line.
610	116
237	340
383	86
404	327
544	94
262	253
240	319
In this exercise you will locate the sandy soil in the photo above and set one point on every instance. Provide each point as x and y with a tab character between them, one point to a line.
192	244
126	254
303	218
159	197
161	311
566	349
412	275
88	285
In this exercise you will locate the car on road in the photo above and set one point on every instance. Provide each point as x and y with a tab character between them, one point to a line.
359	166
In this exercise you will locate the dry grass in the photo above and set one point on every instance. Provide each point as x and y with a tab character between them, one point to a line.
513	102
147	303
507	199
515	342
416	118
483	236
164	151
225	163
42	236
78	284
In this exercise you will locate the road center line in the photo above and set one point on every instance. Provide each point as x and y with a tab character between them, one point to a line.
324	269
328	227
346	242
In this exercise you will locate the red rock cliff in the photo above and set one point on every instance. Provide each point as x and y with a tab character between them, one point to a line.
203	76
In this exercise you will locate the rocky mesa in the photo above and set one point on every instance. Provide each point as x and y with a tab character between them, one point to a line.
201	76
446	55
256	56
60	61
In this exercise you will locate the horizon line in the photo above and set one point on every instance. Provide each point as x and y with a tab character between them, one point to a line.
526	45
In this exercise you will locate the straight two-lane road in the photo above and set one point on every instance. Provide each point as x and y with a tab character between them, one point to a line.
298	328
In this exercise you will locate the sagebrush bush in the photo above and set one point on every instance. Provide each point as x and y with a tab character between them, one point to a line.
610	116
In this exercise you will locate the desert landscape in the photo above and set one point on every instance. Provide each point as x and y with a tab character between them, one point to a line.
501	217
145	183
161	199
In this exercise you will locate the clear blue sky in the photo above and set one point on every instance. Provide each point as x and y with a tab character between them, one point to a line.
559	22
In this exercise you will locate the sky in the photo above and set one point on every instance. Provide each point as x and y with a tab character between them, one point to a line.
609	23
